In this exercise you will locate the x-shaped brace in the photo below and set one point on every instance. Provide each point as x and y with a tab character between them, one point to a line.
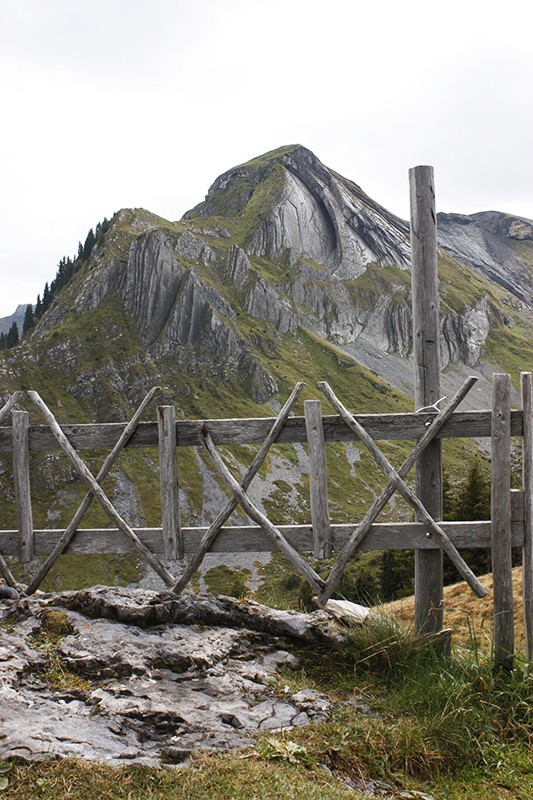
97	491
396	482
254	513
239	497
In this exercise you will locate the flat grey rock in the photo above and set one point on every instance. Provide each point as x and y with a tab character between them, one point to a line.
154	689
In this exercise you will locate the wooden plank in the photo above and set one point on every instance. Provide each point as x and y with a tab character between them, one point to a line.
21	476
102	498
253	539
501	522
168	480
382	427
426	352
318	481
527	481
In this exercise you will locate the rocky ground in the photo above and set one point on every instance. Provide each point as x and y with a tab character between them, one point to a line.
120	675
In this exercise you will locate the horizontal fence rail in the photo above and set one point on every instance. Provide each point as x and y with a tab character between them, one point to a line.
383	427
252	539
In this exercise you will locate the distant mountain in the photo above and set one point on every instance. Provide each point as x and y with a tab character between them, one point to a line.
17	316
285	271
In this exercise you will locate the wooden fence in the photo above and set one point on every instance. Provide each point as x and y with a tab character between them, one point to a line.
510	525
429	537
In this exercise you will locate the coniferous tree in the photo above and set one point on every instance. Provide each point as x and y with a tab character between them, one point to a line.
29	320
3	343
89	244
47	297
12	338
468	502
38	307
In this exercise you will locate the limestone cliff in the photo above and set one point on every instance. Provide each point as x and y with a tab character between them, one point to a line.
282	244
286	271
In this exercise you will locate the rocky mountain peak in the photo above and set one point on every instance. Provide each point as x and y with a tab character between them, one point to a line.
282	244
296	208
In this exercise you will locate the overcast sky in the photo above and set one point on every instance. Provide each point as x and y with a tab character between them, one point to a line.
107	104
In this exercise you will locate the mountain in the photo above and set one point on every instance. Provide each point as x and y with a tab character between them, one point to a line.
17	316
285	271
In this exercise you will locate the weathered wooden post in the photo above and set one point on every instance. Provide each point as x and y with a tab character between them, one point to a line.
426	351
21	474
502	567
168	477
527	480
322	545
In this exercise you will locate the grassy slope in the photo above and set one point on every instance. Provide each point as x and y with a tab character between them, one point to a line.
469	617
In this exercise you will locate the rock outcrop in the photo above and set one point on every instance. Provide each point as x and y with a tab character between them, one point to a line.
115	675
495	245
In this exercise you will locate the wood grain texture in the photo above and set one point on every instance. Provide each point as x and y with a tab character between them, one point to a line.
70	531
252	538
382	427
318	479
21	476
527	481
502	568
100	495
212	532
396	482
426	353
168	483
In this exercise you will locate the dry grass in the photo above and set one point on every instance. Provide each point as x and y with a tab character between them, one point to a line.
466	614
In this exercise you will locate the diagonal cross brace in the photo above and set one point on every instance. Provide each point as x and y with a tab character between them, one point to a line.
74	524
254	513
100	495
12	401
396	482
215	527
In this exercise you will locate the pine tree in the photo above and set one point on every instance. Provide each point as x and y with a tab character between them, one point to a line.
470	501
12	338
29	320
89	244
38	307
47	297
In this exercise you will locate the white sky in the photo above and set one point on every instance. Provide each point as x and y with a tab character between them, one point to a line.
107	104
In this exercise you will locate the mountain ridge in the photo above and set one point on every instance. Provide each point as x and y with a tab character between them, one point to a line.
285	271
283	243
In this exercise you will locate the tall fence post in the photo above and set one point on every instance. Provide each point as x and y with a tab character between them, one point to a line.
426	344
322	545
168	477
502	567
527	481
21	475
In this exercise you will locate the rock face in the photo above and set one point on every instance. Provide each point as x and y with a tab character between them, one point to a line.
17	316
283	267
145	677
496	245
279	244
